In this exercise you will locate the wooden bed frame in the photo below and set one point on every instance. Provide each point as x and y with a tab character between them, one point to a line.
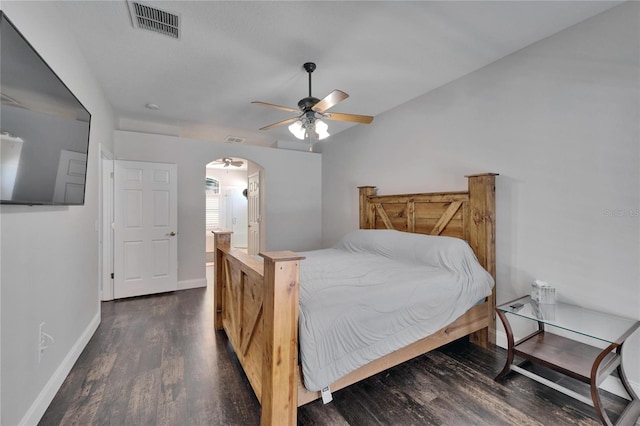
256	303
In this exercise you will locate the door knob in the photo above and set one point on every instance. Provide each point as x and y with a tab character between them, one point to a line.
172	234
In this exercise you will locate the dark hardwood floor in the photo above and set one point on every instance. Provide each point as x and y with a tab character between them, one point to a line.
157	361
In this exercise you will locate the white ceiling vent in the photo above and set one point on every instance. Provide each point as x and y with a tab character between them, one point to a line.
153	19
234	139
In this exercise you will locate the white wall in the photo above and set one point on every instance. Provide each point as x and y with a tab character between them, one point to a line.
50	254
292	187
559	121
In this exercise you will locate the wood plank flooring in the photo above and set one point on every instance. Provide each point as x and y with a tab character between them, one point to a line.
157	361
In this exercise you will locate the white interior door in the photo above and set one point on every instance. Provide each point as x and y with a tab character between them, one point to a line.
146	220
253	207
236	216
69	187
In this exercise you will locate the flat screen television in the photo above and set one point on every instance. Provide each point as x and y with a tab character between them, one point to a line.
44	128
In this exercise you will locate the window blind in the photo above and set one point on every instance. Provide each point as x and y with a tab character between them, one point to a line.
212	212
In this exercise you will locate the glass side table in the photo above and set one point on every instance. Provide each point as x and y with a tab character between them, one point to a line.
578	360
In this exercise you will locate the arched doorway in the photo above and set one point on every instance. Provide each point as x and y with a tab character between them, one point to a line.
229	205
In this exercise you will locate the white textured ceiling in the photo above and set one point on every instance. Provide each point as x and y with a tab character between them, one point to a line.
382	53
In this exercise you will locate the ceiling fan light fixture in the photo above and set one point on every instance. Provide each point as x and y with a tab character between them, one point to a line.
321	129
307	125
298	130
302	129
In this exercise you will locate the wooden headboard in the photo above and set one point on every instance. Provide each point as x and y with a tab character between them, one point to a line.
469	215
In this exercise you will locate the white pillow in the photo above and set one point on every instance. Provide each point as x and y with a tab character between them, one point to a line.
436	251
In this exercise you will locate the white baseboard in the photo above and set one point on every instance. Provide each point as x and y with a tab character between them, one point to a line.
611	384
187	284
41	403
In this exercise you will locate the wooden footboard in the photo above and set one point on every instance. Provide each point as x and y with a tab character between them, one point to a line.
257	300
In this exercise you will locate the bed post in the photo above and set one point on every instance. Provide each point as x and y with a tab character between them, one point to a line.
482	238
222	240
366	211
279	397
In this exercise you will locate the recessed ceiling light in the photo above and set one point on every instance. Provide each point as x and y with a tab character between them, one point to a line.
153	107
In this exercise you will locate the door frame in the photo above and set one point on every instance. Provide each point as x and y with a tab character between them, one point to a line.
105	223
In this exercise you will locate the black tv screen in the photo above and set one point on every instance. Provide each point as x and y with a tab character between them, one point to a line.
44	129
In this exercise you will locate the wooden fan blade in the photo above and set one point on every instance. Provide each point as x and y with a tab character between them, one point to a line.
353	118
330	100
284	108
279	123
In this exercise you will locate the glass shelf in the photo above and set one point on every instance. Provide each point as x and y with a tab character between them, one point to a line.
605	327
584	362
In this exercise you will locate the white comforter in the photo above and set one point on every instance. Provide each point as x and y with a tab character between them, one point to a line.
377	291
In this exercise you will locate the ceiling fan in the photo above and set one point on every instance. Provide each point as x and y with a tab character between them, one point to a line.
311	110
228	161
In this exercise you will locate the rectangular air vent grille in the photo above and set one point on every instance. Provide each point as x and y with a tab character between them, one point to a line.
154	19
234	139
